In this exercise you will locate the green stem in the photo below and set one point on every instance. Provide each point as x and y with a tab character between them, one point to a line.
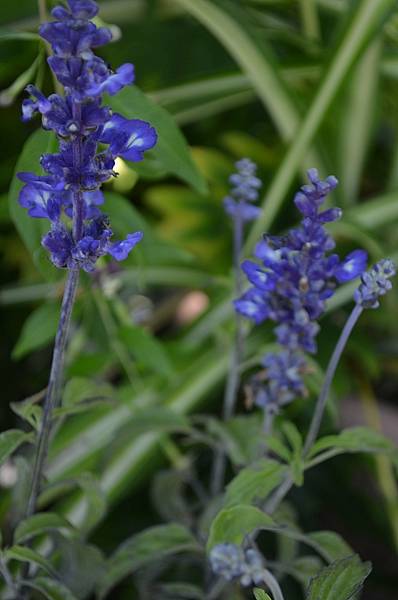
309	17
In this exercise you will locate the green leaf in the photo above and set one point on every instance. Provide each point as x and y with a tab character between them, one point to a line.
355	439
38	330
160	419
8	96
260	594
6	35
150	545
232	525
254	483
52	590
11	440
229	24
94	497
79	565
38	524
171	150
356	126
365	21
146	348
29	410
330	544
25	554
342	579
32	230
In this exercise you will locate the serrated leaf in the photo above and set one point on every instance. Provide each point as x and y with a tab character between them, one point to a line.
355	439
152	544
342	579
171	150
331	545
53	590
260	594
11	440
25	554
254	483
31	230
38	524
232	525
38	330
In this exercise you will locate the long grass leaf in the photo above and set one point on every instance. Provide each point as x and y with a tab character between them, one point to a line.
365	21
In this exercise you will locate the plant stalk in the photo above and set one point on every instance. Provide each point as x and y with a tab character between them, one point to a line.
273	585
313	431
54	386
233	378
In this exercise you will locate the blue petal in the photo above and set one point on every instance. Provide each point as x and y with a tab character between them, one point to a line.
121	250
352	266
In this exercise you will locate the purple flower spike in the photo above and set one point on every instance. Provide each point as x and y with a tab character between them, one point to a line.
70	187
244	190
295	274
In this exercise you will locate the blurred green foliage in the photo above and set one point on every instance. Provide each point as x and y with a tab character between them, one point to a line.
290	84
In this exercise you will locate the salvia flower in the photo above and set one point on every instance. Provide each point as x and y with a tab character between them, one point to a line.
244	191
232	562
295	274
90	138
375	283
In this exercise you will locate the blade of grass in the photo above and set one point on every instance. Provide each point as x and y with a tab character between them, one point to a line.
356	125
229	25
310	20
364	22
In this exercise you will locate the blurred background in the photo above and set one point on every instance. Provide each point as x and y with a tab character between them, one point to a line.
290	84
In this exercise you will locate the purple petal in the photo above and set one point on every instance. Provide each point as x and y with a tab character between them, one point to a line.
120	250
352	266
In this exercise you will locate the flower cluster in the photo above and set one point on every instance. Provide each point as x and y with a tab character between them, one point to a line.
375	283
231	562
90	138
294	277
244	190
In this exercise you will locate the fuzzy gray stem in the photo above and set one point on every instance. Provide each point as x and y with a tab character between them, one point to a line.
54	385
313	431
233	379
273	585
330	372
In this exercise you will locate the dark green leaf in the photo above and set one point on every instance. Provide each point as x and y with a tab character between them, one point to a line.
38	330
260	594
38	524
254	483
143	548
341	580
171	150
146	348
330	544
10	440
25	554
356	439
232	525
53	590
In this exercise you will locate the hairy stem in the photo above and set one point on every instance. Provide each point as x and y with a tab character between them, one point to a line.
273	585
233	379
313	431
54	386
330	372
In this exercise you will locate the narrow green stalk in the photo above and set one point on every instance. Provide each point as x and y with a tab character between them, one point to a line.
54	387
313	431
233	379
273	585
42	10
310	20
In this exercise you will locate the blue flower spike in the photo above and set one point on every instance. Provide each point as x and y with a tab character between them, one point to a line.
70	188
